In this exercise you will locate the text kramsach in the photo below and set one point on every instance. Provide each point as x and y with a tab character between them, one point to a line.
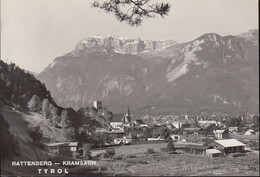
80	162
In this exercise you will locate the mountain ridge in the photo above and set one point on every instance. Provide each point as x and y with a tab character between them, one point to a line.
157	77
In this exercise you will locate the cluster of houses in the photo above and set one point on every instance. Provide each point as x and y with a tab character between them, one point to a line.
219	145
215	148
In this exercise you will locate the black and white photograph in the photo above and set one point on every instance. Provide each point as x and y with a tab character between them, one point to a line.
129	88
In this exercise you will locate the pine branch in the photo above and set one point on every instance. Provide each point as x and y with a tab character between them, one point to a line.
137	10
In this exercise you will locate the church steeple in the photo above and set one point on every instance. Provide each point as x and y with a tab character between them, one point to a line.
127	118
128	111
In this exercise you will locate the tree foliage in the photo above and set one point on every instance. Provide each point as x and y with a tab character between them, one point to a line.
256	122
133	11
45	108
17	86
109	153
170	147
35	133
8	143
69	133
86	152
35	104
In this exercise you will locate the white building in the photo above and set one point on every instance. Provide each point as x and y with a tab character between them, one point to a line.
249	132
219	133
65	148
97	104
176	137
227	146
177	124
205	123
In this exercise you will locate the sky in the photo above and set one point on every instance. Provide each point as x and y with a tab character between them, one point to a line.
35	32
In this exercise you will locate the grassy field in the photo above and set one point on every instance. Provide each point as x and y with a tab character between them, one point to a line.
133	160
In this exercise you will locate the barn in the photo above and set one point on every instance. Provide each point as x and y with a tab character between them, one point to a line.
66	148
196	149
227	146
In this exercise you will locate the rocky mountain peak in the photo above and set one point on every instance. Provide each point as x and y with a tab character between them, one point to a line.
108	44
252	35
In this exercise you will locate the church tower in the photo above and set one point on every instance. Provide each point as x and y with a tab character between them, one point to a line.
127	117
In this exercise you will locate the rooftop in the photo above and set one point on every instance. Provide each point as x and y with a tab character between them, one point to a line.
193	146
220	131
229	142
62	144
117	118
213	151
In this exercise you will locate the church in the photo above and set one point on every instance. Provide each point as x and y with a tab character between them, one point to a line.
121	120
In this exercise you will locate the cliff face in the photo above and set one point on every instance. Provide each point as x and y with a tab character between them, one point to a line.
118	45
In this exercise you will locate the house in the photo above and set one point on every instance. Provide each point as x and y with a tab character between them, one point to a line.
155	139
227	146
140	123
127	140
233	129
177	124
249	132
205	123
124	140
170	126
196	149
120	120
192	130
66	148
117	132
117	120
175	137
219	134
213	153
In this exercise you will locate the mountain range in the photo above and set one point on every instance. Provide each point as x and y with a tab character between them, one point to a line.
212	73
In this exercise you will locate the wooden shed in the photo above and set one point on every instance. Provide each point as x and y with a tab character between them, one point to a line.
196	149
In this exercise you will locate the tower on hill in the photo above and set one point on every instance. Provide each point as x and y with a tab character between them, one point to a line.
97	104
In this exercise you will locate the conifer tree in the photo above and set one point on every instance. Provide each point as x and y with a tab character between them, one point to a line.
133	11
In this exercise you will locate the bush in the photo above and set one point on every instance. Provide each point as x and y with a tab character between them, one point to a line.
170	147
86	152
118	157
150	151
76	154
35	133
109	153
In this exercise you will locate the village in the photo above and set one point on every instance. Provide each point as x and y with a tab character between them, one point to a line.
204	138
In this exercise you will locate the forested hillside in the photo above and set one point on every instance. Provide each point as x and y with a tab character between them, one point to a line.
23	92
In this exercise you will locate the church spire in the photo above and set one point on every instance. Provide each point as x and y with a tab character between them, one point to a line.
128	111
127	118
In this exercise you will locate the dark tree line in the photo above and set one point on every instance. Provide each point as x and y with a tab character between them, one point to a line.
18	86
